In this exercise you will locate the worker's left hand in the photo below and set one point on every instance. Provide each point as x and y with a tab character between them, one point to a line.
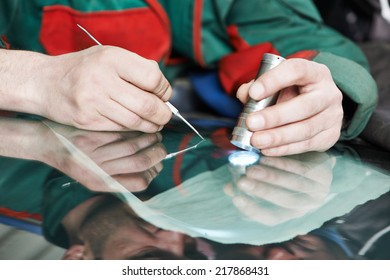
308	114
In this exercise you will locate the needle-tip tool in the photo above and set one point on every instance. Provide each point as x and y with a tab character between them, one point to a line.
176	113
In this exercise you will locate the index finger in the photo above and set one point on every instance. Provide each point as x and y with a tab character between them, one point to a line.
292	72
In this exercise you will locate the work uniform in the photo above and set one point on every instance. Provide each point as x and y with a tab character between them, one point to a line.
226	36
21	196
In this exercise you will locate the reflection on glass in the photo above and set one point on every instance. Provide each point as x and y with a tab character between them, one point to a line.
243	158
122	161
273	201
171	155
103	227
227	204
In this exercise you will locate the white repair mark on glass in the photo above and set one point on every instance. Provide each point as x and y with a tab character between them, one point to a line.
171	155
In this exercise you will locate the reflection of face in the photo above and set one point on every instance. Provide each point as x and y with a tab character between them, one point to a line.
305	247
301	247
115	232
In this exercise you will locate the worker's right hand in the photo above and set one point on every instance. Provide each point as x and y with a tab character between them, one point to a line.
104	88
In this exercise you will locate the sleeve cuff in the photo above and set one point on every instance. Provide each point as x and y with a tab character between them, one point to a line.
357	85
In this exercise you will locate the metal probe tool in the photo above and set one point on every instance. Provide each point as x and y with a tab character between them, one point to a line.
171	107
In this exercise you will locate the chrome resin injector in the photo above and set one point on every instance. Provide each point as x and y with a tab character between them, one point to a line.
241	135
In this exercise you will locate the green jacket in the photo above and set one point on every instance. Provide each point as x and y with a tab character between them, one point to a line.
227	35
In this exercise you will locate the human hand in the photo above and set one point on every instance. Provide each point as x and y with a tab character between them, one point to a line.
279	189
308	113
104	88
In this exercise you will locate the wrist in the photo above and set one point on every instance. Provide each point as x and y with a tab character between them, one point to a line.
24	77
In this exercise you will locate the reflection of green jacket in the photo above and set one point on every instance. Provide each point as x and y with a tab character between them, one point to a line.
230	35
31	189
21	184
59	199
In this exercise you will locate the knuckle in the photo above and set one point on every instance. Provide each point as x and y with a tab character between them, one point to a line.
338	96
152	138
82	115
294	64
84	100
132	148
150	107
275	139
308	130
335	137
310	108
153	65
267	81
271	120
339	114
323	142
163	91
308	145
323	69
83	141
142	162
255	141
134	122
103	54
285	150
298	66
335	118
154	76
82	120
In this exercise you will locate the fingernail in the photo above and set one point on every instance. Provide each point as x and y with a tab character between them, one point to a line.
246	185
256	91
255	122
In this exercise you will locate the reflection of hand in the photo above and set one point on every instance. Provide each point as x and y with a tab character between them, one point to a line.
102	88
131	158
308	114
26	139
280	189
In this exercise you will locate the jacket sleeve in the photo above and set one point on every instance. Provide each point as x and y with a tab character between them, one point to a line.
7	12
8	8
290	28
